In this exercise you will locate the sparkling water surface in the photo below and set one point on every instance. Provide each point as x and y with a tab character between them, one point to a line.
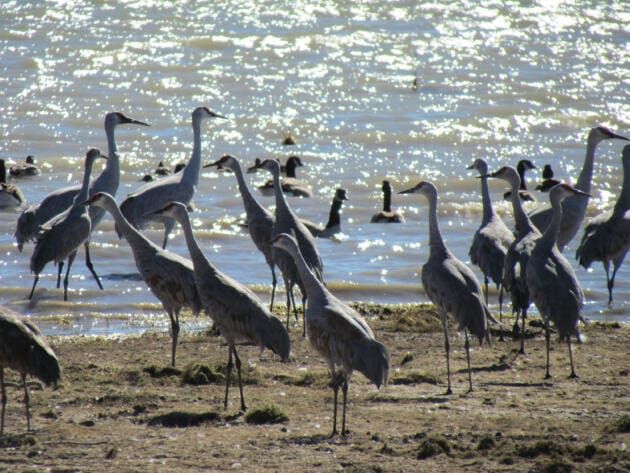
502	81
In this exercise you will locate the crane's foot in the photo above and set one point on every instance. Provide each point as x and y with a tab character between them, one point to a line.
448	392
334	433
547	376
573	375
345	433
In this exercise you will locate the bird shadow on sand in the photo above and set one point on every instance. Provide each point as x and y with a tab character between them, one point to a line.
316	439
123	277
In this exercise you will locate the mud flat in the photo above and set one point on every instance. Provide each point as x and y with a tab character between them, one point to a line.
121	408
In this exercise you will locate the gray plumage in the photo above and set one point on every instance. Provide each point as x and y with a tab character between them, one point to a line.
24	349
169	276
552	283
61	237
333	226
607	237
259	219
387	215
286	221
522	167
451	285
574	207
178	187
236	311
30	221
10	194
492	239
519	252
338	333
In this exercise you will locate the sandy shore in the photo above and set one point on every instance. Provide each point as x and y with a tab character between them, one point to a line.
120	409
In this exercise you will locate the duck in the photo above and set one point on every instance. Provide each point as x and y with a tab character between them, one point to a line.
28	168
334	220
291	184
10	194
522	167
387	215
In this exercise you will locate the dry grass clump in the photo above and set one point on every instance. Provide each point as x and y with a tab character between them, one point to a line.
270	414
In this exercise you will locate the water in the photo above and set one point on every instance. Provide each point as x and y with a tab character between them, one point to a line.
502	81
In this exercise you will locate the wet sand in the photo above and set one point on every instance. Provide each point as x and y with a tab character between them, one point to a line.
119	407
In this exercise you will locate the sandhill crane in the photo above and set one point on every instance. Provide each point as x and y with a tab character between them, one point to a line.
236	311
178	187
27	168
607	237
338	333
552	282
61	236
333	226
451	285
10	194
574	206
548	180
492	239
24	349
169	276
286	221
30	221
522	167
519	252
290	184
386	215
259	219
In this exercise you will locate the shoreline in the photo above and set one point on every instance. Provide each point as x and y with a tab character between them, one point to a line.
119	404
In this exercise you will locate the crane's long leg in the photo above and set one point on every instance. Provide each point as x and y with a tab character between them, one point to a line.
485	284
467	346
293	304
288	304
447	347
523	317
547	341
611	285
274	283
3	400
27	402
240	380
572	375
168	228
33	288
59	271
174	316
90	266
606	264
335	387
65	280
303	315
500	303
228	376
345	401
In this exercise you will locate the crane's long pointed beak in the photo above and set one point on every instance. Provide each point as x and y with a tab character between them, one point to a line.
407	191
472	166
216	115
485	176
138	122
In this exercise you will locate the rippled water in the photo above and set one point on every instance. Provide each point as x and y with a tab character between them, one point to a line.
503	81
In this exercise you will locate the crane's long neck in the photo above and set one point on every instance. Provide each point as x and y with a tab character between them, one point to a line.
83	193
281	201
436	243
523	223
333	218
623	202
314	288
387	199
200	262
130	234
249	201
586	175
109	179
190	174
550	238
488	210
